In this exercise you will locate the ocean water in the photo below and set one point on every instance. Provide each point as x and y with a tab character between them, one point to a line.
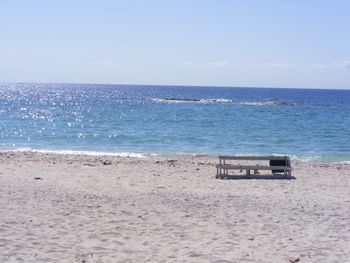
174	120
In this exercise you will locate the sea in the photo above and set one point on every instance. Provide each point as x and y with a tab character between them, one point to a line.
137	120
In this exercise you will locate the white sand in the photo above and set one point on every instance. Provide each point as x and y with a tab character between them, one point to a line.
156	210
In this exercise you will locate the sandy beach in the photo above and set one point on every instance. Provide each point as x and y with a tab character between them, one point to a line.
75	208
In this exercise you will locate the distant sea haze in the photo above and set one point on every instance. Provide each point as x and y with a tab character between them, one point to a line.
143	120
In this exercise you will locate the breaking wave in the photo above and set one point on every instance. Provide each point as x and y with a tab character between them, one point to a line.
89	153
199	101
267	102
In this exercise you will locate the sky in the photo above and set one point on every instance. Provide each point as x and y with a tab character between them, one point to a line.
251	43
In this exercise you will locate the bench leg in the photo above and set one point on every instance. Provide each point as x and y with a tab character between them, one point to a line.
247	172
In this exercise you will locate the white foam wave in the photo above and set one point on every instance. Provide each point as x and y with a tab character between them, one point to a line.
304	159
89	153
223	101
193	101
259	103
215	101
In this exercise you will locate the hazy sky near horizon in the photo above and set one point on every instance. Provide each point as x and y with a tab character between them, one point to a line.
270	43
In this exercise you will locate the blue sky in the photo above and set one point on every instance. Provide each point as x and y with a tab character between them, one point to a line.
291	43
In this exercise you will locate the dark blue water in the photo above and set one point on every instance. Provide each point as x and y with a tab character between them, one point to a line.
163	119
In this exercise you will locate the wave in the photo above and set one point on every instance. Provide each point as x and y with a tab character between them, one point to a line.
89	153
114	154
199	101
212	156
267	102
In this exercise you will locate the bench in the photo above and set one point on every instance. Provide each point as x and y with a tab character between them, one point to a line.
279	166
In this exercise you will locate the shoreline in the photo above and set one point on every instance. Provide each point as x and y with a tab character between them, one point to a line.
165	155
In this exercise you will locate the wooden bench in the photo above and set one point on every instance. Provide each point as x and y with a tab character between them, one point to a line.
278	165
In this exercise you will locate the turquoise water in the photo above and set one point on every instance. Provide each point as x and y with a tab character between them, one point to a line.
163	119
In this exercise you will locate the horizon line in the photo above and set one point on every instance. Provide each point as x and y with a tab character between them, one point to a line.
168	85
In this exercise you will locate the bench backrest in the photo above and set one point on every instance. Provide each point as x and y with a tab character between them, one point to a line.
253	158
280	159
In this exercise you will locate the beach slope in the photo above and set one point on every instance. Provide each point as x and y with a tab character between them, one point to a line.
76	208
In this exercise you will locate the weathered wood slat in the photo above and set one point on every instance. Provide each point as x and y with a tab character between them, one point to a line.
278	176
253	158
252	167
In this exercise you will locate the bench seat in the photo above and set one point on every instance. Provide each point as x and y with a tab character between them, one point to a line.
252	167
